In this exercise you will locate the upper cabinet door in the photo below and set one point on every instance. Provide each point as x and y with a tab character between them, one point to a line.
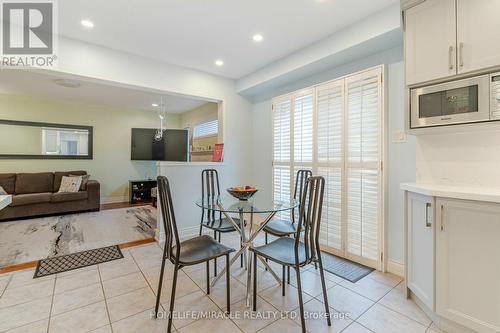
430	41
478	29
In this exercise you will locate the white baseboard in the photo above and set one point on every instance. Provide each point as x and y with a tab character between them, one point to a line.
395	268
115	199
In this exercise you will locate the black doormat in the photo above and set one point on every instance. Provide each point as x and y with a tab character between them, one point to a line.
346	269
72	261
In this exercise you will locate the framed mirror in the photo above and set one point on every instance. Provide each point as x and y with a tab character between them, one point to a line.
32	140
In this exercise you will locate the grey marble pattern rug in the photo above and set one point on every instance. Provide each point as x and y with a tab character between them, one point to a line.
34	239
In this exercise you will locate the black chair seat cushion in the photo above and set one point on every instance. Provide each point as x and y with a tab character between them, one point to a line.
200	249
223	226
279	227
282	251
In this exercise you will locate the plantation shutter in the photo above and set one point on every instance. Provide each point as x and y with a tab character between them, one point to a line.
330	108
363	167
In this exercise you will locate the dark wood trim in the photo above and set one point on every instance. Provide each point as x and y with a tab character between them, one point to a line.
116	205
89	156
137	243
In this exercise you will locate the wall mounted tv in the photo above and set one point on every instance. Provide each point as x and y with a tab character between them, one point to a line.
173	146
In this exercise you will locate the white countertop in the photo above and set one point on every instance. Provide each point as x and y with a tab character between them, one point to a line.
5	200
455	192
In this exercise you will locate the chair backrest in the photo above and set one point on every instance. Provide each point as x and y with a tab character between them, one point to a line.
311	204
210	191
167	213
300	186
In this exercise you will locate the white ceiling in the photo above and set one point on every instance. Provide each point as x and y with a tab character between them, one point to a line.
42	85
193	33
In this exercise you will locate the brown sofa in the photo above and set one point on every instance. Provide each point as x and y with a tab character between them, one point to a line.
35	194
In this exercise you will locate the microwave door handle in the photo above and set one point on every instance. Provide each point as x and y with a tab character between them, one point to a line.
450	58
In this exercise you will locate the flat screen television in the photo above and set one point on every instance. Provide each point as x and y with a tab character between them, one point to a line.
172	147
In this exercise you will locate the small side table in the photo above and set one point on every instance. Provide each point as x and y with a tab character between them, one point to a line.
140	191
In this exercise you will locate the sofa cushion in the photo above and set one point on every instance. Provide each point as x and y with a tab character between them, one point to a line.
69	196
30	199
34	182
8	182
59	174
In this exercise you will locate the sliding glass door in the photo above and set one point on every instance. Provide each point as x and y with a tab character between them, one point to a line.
336	130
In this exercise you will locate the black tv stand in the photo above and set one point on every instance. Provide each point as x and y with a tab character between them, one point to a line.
140	191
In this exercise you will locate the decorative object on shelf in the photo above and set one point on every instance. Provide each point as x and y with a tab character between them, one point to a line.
242	192
140	191
218	152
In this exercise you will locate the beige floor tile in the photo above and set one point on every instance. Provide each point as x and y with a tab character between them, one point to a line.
190	308
264	278
4	281
36	327
83	319
129	304
383	320
185	286
386	278
25	313
356	328
116	268
238	292
124	284
286	303
28	293
369	288
77	280
346	301
249	321
210	325
314	312
396	300
104	329
141	322
25	277
282	326
152	274
434	329
77	298
311	283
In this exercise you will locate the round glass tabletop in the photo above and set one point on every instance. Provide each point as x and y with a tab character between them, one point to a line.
253	205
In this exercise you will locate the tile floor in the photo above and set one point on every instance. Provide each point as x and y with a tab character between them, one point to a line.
119	297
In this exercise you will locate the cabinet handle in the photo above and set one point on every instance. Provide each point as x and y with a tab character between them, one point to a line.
428	224
461	55
450	57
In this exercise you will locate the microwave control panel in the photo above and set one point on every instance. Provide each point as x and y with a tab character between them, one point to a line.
495	96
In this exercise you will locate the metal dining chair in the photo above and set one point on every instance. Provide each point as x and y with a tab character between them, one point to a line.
293	252
210	219
187	253
285	228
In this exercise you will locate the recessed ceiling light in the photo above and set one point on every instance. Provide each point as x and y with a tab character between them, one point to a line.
67	83
257	38
87	24
155	105
219	62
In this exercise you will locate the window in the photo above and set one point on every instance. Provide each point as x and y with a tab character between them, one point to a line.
206	129
335	130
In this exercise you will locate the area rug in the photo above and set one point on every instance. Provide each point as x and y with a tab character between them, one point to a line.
346	269
77	260
34	239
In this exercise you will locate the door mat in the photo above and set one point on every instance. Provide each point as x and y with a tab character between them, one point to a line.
346	269
72	261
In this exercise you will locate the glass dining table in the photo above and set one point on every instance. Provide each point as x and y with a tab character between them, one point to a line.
249	230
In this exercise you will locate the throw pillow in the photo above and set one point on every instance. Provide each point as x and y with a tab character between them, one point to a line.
70	184
2	191
85	180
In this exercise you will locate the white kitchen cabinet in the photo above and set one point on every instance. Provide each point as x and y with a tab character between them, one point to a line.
468	263
420	247
478	27
430	41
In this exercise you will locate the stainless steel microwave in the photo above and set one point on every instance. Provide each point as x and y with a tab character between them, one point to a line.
464	101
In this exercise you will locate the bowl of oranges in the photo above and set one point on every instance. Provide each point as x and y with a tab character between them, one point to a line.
242	192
